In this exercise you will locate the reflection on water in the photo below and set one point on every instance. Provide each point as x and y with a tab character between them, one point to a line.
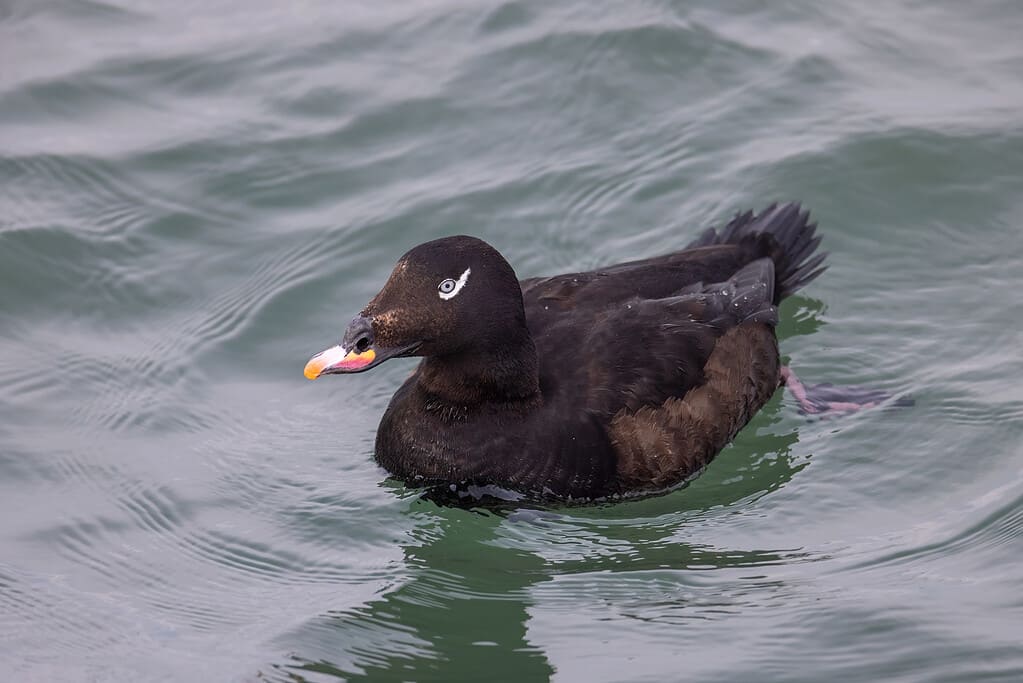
477	578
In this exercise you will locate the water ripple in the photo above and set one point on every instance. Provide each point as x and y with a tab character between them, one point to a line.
196	198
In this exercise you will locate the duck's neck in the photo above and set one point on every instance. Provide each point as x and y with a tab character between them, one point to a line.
504	374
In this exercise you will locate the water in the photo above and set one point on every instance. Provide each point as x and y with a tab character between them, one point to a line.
196	196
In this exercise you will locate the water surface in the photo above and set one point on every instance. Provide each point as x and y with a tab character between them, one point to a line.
196	196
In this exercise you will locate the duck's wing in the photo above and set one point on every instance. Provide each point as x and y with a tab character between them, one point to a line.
783	234
673	379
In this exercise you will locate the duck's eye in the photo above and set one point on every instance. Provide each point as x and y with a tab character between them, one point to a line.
449	288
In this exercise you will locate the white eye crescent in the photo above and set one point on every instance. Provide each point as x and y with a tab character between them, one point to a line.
449	288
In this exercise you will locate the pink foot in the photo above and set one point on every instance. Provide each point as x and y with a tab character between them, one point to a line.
828	399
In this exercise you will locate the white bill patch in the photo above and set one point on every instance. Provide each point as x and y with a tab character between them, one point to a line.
459	283
331	356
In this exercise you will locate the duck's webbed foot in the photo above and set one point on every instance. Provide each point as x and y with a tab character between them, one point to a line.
828	399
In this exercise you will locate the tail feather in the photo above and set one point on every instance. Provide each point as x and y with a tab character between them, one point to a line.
796	263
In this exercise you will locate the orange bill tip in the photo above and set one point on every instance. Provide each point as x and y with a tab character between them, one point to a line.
313	368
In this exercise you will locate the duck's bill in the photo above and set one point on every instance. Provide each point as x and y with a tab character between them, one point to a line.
337	360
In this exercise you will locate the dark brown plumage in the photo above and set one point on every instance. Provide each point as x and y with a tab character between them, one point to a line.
626	379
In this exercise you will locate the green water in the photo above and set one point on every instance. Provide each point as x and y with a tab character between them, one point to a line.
197	196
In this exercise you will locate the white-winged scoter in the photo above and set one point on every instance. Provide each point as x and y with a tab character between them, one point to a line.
626	379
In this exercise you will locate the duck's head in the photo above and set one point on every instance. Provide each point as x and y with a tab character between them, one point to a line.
443	298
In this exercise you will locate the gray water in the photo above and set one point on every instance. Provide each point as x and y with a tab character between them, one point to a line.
196	196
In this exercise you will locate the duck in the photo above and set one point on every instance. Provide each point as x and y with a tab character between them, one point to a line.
628	379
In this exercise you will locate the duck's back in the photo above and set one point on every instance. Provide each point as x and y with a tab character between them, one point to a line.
780	233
